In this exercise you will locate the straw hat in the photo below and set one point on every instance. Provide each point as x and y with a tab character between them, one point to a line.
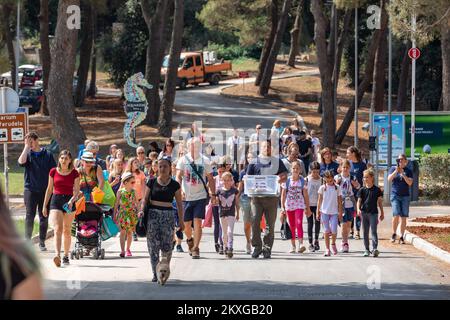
126	176
88	156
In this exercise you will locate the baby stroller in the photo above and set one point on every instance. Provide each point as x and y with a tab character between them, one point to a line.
88	231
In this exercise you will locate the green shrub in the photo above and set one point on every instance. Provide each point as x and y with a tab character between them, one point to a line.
435	176
233	52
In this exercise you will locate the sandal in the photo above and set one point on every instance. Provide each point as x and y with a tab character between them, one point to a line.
190	243
57	261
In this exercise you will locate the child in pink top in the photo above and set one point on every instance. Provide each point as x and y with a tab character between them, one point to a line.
294	201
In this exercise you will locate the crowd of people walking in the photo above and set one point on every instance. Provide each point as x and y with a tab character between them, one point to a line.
175	189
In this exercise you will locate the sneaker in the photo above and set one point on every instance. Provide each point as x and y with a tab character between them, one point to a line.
327	253
122	254
128	254
195	253
190	243
42	246
179	248
217	247
155	278
345	248
301	249
221	249
266	253
311	248
334	249
135	237
256	253
249	248
401	240
351	236
366	253
57	261
357	236
230	253
376	253
292	250
66	260
393	238
316	246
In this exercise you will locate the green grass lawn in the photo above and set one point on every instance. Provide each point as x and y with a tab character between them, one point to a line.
15	180
20	226
245	64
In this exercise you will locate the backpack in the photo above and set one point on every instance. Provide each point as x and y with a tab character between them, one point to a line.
352	196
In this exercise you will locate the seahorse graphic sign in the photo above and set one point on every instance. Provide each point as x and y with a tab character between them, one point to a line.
136	106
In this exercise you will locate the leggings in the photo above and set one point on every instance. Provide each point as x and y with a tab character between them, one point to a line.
370	223
160	227
295	219
33	201
217	228
227	224
313	222
358	223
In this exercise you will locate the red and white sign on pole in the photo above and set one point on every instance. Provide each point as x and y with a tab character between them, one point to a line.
243	75
414	53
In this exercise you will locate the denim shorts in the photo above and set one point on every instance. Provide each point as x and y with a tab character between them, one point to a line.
194	209
349	214
400	206
330	223
246	209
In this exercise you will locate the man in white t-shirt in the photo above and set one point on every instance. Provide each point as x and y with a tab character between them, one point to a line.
194	174
316	145
255	140
236	150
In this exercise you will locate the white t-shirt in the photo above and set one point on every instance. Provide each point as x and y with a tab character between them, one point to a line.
191	184
294	195
347	190
313	186
330	199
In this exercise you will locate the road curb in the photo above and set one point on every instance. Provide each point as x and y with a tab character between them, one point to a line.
50	233
427	247
260	101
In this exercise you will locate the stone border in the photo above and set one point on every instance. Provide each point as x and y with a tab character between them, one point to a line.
50	233
427	247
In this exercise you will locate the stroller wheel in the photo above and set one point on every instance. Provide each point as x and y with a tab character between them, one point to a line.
81	253
102	254
77	255
95	253
72	254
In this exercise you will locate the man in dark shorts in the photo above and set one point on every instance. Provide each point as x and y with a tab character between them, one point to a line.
194	171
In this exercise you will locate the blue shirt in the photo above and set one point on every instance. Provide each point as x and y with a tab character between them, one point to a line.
37	167
266	166
357	169
333	167
399	186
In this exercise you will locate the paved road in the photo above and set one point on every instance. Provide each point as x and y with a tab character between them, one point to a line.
401	271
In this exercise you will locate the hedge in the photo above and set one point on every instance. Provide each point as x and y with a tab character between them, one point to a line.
435	176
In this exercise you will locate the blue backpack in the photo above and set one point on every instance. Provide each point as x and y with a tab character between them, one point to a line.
288	182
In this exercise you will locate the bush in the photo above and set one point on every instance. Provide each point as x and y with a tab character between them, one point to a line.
435	176
233	52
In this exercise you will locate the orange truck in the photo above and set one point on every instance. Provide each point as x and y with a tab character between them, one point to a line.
197	67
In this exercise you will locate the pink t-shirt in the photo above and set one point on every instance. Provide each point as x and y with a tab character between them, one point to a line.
294	195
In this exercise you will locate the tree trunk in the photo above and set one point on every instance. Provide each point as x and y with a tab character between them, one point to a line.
379	75
362	88
165	120
155	24
85	54
268	42
7	35
325	68
65	126
45	52
270	65
295	34
445	49
342	41
403	81
92	85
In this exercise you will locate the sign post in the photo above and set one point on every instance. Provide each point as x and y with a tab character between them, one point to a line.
5	148
414	53
243	75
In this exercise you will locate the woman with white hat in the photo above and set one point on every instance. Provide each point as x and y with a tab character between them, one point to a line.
91	175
